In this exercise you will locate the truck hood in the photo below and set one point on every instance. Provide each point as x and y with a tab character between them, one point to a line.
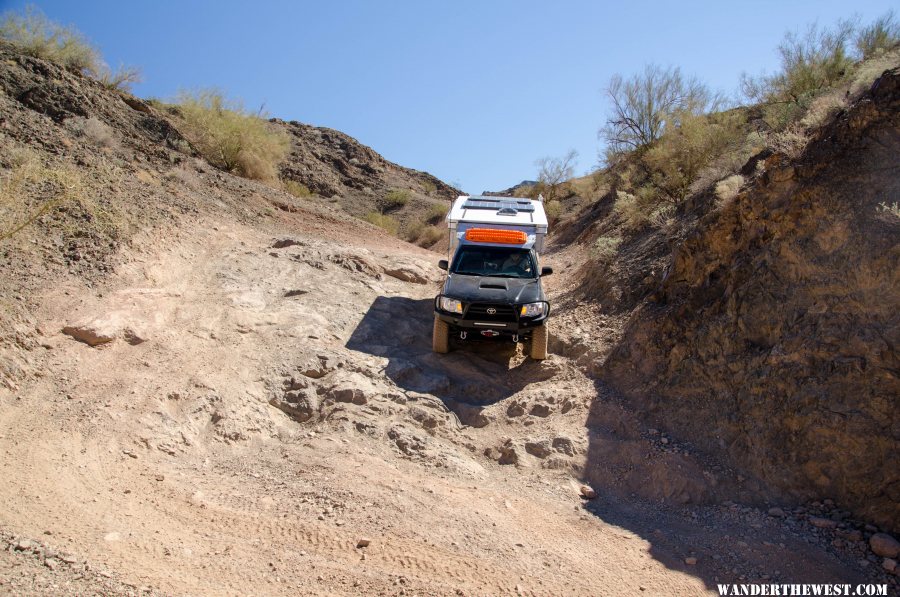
490	289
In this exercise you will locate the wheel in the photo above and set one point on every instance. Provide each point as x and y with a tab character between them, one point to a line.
539	343
440	336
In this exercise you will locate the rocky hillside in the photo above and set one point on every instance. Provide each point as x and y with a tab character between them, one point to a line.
335	165
85	168
764	328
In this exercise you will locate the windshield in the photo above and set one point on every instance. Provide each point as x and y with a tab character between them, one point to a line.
500	262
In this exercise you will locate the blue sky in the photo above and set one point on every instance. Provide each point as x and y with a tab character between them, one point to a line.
473	92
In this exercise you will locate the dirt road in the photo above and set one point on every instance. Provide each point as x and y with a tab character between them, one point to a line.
269	419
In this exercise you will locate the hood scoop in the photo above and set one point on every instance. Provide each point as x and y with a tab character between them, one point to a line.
494	285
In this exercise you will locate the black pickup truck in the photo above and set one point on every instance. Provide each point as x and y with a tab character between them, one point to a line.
493	292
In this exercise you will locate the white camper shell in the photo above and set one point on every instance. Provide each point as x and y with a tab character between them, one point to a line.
503	213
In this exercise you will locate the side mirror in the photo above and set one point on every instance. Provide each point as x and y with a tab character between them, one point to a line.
546	271
443	264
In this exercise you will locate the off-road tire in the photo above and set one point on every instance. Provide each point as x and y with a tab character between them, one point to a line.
440	336
539	338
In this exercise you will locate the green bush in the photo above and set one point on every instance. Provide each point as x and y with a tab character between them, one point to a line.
395	199
431	235
36	35
879	37
553	209
646	104
231	138
810	63
296	189
383	221
424	235
414	231
429	187
678	158
436	213
633	210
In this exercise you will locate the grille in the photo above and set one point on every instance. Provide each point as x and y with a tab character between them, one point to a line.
479	311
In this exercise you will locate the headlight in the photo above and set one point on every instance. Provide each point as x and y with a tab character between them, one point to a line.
532	310
451	305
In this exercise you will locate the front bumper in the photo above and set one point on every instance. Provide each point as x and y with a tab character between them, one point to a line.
499	325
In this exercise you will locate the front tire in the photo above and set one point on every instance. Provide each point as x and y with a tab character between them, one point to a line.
440	336
539	338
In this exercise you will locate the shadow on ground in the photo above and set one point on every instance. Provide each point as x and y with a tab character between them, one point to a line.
677	504
472	376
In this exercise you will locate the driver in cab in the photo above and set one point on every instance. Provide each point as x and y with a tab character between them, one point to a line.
516	264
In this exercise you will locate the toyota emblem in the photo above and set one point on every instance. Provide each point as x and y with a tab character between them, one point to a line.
491	311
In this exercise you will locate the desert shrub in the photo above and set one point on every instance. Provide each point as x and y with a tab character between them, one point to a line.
890	208
879	37
663	216
606	247
431	235
810	63
424	235
790	142
729	162
29	189
184	177
678	158
553	209
121	79
553	173
644	105
819	60
868	71
428	187
590	186
436	213
94	130
230	137
414	231
728	189
383	221
395	199
36	35
633	211
297	189
822	108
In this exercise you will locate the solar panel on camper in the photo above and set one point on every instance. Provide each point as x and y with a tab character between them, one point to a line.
497	204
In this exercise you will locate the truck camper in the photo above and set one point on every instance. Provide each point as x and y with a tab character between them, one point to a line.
493	288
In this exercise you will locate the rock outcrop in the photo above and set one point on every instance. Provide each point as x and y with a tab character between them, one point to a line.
773	335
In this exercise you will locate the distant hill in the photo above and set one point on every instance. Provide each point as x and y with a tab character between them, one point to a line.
334	165
520	189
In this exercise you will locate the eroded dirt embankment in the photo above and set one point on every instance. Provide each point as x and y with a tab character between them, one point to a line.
772	337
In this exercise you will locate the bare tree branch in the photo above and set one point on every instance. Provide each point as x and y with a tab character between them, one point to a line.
646	103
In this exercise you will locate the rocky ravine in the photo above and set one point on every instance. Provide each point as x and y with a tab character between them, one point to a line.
211	387
265	411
